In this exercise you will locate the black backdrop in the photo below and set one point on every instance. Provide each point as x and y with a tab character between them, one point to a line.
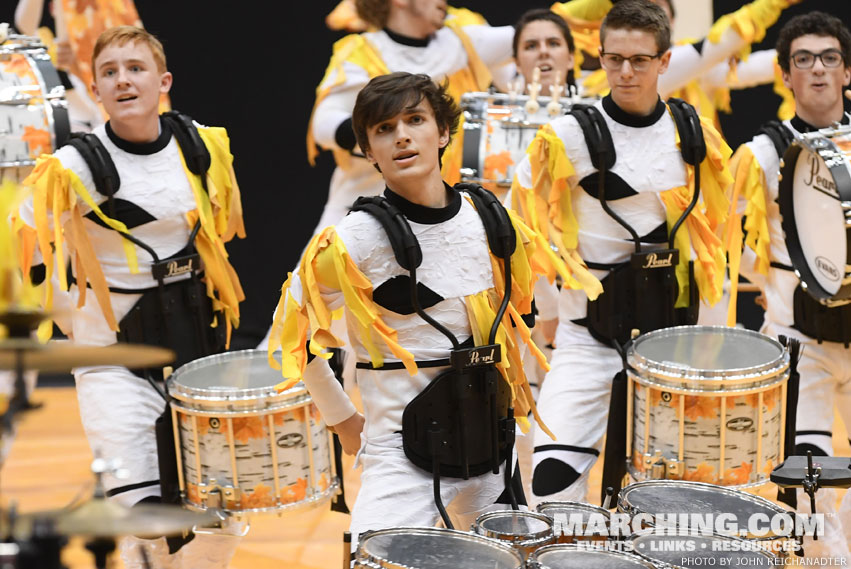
253	70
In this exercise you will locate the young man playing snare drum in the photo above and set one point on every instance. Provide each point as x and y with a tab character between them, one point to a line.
363	266
814	52
158	178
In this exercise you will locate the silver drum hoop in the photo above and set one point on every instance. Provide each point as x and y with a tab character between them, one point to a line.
552	509
570	556
697	498
433	548
246	383
755	360
504	525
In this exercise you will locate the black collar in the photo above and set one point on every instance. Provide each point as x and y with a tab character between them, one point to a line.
143	148
426	215
406	40
629	119
801	125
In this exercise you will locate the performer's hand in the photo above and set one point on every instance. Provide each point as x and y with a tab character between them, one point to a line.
760	300
548	329
349	432
64	55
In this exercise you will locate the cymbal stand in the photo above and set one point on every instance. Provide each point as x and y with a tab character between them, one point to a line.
19	325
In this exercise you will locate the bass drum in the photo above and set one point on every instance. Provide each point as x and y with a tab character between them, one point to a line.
33	108
815	203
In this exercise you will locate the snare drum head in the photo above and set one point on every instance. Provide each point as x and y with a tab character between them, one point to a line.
245	372
819	239
689	551
572	557
510	524
435	548
665	498
705	351
568	509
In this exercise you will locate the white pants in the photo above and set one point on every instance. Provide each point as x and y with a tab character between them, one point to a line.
574	404
395	493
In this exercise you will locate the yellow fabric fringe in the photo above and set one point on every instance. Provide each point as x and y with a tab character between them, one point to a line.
787	106
358	50
583	17
327	263
547	209
750	22
57	191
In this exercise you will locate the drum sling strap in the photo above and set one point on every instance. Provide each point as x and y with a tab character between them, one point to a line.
175	315
462	424
625	304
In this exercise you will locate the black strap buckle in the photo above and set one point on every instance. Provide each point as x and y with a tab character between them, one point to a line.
176	266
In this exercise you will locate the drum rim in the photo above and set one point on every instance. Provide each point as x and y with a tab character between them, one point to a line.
645	532
787	210
308	503
578	505
516	538
640	364
626	508
414	530
185	392
533	557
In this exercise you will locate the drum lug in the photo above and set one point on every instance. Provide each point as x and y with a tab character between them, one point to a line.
658	467
215	495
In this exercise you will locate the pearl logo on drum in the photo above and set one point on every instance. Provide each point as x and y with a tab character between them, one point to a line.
824	185
290	440
826	268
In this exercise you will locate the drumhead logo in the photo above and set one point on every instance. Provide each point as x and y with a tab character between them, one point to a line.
825	185
827	268
740	424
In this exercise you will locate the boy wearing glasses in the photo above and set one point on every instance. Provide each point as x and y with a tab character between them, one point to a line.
814	53
602	211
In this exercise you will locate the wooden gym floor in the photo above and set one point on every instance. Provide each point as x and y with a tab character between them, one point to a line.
48	467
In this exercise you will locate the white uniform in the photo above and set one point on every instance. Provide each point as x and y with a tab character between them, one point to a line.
825	368
117	408
456	264
574	399
439	56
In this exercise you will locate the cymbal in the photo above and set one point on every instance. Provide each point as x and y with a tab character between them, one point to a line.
60	355
102	518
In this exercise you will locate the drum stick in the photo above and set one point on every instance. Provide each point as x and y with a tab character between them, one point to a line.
347	549
848	94
167	370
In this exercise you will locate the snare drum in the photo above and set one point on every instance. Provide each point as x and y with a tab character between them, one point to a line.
243	446
576	557
497	132
577	521
433	548
815	204
33	109
525	531
706	404
698	506
689	551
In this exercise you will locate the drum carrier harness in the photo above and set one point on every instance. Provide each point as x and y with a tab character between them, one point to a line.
625	303
640	294
831	322
174	315
462	424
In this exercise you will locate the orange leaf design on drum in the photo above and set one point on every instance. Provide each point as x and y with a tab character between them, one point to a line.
701	407
769	399
703	473
38	140
295	492
739	475
247	428
203	423
17	65
637	462
843	143
323	482
498	163
769	466
262	497
315	415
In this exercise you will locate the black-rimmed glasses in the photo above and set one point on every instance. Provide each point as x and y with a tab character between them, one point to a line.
803	59
639	62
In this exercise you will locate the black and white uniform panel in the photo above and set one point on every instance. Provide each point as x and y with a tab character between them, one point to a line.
574	400
456	263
